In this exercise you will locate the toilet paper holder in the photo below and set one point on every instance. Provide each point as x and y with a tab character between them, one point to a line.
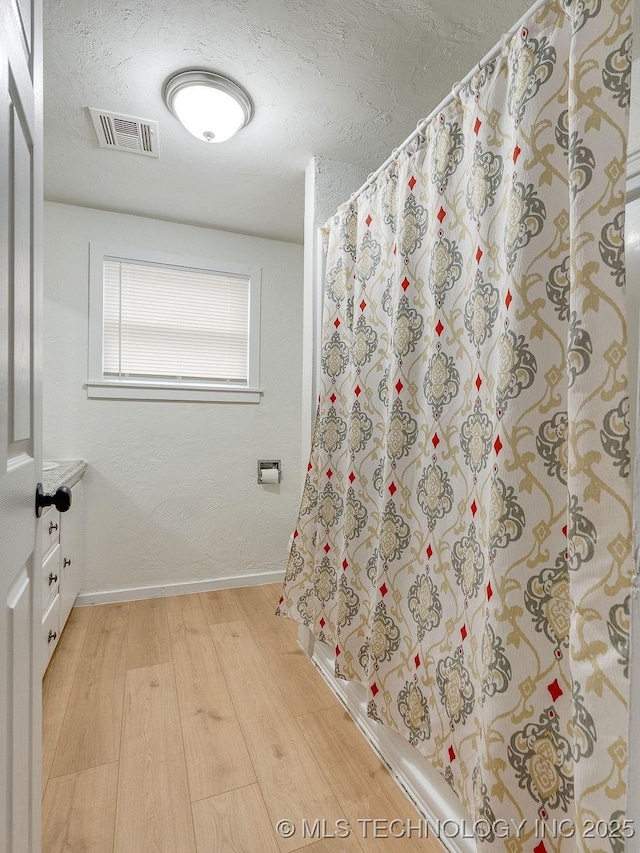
270	465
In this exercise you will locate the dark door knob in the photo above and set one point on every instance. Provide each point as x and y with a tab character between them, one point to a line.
61	500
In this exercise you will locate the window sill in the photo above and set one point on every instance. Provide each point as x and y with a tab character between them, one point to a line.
103	389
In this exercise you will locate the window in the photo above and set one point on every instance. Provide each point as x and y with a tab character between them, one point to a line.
167	327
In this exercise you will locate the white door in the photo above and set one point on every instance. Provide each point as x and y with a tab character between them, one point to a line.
20	422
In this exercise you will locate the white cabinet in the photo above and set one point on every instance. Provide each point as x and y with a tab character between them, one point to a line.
50	629
50	541
71	553
61	539
49	530
50	576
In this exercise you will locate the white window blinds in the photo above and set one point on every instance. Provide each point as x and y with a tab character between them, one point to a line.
172	323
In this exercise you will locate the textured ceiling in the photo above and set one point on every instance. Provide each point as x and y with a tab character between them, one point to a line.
345	79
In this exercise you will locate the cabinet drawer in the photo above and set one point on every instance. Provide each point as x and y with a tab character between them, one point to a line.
50	576
50	631
49	530
70	553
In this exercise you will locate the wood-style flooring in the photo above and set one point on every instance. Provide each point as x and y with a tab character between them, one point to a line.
194	724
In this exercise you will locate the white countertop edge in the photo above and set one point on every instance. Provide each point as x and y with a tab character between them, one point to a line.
68	472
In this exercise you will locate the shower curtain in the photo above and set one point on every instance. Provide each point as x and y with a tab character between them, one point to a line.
464	538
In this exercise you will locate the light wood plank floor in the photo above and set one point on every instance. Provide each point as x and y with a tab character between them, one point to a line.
194	724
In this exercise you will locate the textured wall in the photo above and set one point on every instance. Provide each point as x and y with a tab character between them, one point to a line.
171	492
334	182
347	79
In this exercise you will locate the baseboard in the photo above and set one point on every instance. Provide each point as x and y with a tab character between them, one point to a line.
423	785
185	588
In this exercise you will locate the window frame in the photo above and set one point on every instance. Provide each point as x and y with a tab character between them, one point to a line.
99	387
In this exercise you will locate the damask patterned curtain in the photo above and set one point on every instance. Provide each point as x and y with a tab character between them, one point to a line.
464	539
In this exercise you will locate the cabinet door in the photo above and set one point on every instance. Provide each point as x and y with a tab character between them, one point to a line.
50	631
71	562
50	577
49	531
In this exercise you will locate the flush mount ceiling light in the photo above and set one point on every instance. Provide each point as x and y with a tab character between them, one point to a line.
211	107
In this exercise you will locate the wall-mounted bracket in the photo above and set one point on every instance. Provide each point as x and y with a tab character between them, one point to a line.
269	472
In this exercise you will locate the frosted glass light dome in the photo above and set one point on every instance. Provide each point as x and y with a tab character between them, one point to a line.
210	106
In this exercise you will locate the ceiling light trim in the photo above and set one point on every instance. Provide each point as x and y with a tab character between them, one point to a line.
205	77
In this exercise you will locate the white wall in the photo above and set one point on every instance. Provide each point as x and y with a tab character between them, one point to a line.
171	493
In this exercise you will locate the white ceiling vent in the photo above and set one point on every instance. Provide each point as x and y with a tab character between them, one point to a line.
126	133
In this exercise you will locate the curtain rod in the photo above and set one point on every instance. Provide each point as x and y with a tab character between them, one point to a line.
422	125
